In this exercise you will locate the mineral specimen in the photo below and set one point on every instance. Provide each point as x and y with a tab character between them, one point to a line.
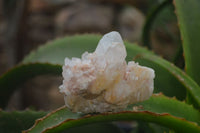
102	81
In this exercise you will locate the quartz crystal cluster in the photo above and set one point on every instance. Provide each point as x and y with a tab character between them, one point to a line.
102	81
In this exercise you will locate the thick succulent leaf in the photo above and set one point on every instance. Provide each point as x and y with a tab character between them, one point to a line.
45	60
177	124
150	20
15	122
54	118
55	52
191	86
19	74
184	117
74	46
189	22
161	104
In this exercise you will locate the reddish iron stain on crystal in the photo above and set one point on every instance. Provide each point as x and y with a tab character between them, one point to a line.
102	81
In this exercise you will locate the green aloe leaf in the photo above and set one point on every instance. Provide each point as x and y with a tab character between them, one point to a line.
190	85
150	20
54	52
58	116
162	104
13	122
50	57
164	111
189	22
21	73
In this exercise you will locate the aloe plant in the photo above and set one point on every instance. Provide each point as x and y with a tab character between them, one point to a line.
174	106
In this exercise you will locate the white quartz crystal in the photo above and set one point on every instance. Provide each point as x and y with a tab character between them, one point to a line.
102	81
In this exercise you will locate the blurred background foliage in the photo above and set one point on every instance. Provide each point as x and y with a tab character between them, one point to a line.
25	24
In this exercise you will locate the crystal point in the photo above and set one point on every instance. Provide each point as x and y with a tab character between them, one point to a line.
102	81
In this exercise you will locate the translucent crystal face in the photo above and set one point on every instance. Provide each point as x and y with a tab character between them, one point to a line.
102	81
110	46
